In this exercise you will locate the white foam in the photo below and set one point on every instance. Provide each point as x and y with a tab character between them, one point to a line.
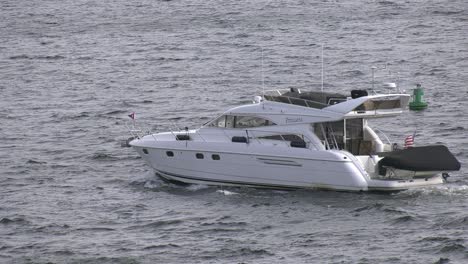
450	190
225	192
196	187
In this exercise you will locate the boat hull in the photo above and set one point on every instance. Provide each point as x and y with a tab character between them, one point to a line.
373	185
256	168
329	170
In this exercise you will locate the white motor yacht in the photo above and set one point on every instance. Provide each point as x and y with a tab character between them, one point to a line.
293	139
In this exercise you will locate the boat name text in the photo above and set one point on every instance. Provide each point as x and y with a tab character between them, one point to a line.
293	120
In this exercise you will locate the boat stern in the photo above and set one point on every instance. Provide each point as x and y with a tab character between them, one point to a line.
389	185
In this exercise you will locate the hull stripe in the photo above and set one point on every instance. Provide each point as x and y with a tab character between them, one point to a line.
269	186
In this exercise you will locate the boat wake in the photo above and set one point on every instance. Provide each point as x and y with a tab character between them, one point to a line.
441	190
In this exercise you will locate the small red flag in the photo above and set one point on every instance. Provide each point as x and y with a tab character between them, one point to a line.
132	116
409	141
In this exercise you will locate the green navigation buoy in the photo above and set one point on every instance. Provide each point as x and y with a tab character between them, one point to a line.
418	103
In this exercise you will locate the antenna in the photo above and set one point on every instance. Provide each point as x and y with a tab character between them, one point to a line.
322	67
373	78
263	80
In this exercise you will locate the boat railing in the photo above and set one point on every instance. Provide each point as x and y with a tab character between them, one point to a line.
384	135
134	130
279	96
250	136
257	136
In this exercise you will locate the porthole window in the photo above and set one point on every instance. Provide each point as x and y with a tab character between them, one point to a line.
170	153
145	151
215	157
199	156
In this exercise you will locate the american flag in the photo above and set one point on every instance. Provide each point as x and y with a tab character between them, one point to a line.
409	141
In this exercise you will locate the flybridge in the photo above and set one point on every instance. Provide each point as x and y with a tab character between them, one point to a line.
359	104
310	99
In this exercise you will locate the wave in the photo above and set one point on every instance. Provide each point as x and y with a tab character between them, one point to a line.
237	252
440	239
442	261
419	26
55	228
104	157
453	248
157	224
162	246
353	73
341	62
28	57
91	260
96	229
376	206
71	117
64	252
447	13
32	161
461	222
115	112
216	230
242	35
388	3
404	219
230	224
7	221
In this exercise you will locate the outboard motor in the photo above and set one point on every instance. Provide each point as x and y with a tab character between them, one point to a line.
358	93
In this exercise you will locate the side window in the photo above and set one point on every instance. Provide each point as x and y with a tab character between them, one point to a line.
220	122
285	137
230	121
251	121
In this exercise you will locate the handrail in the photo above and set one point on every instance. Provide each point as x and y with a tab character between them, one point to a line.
196	132
273	133
307	103
251	134
134	131
380	131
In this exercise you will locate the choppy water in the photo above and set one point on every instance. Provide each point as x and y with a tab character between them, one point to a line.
71	71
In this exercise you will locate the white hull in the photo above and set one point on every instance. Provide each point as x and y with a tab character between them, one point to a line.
373	185
330	170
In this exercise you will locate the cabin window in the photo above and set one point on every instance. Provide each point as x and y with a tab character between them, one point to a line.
285	137
145	151
230	121
219	122
215	157
170	153
182	137
250	121
199	156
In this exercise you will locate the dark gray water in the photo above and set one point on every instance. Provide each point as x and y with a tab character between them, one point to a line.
71	71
